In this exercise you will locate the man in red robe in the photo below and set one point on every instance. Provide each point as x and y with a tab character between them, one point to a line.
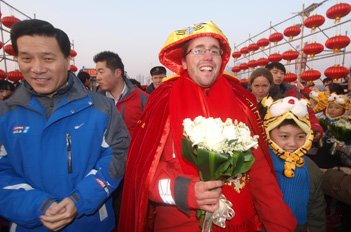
162	190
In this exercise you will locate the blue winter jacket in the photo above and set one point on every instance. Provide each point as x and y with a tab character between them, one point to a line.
79	152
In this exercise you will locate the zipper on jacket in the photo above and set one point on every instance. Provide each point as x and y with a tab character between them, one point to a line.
69	152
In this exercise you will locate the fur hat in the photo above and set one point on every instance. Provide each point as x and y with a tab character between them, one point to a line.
322	100
339	100
277	112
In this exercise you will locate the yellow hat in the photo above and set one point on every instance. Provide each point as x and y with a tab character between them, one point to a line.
322	100
171	54
339	100
277	112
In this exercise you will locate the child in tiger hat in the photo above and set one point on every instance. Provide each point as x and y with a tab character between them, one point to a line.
337	108
319	102
289	138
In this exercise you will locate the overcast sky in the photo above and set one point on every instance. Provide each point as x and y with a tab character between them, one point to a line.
137	30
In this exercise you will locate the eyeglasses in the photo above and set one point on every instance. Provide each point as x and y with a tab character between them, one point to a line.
201	51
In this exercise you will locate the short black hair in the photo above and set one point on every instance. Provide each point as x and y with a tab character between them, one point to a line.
276	65
336	88
327	79
6	85
83	76
113	61
36	27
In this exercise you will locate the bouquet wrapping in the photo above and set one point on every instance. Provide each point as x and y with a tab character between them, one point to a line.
341	131
220	151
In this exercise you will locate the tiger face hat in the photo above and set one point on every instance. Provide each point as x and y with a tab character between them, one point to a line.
171	55
322	100
339	100
277	112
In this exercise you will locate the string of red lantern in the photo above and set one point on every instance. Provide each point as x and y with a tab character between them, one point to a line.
253	47
9	49
243	66
9	21
15	75
276	37
313	49
276	57
2	74
73	53
263	42
244	51
290	77
252	64
236	55
236	69
335	72
290	55
262	62
292	31
337	42
310	75
314	21
73	68
338	11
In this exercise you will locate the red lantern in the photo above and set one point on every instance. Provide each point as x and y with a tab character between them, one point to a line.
9	21
244	50
15	75
337	42
236	69
243	81
253	47
2	74
262	62
313	49
275	57
9	50
290	55
1	44
292	32
236	55
263	43
338	11
276	37
73	53
73	68
314	21
252	64
243	66
335	72
310	75
290	77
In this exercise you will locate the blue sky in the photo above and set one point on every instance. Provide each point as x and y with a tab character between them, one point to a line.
137	30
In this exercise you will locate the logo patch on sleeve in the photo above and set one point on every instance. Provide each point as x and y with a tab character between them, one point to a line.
20	129
101	183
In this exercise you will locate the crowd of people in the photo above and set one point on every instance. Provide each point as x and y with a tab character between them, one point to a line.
72	159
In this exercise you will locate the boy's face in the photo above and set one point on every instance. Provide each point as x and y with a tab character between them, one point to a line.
334	110
288	137
278	75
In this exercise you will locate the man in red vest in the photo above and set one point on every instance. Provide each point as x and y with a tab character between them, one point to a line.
162	190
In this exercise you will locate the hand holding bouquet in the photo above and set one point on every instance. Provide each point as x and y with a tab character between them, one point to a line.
220	151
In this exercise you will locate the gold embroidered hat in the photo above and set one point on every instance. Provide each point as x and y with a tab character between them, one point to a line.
171	54
339	100
277	112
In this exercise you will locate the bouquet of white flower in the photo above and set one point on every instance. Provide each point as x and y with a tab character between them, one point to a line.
220	151
341	130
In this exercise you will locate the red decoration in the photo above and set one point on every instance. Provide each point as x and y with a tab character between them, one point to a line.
290	55
253	47
9	50
243	66
292	32
236	55
252	64
73	68
314	21
236	69
310	75
313	49
262	62
337	42
276	37
9	21
275	57
263	42
243	81
335	72
1	44
290	77
15	75
244	50
338	11
2	74
73	53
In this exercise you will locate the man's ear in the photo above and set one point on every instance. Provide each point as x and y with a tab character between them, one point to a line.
118	72
68	61
184	64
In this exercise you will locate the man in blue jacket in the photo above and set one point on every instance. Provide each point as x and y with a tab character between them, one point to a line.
62	148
